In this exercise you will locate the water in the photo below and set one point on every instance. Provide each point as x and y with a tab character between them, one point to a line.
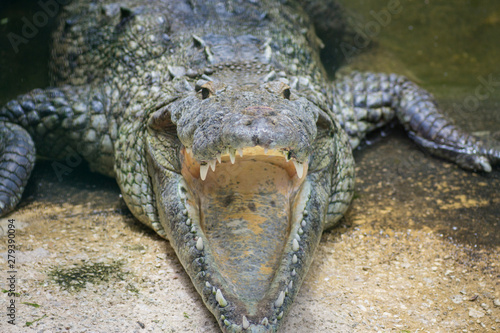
448	48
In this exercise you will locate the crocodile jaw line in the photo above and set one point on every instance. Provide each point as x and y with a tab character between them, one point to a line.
247	219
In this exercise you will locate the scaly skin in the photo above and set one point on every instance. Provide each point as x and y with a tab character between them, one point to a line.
153	93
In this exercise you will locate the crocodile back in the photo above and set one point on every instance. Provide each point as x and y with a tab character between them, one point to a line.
105	40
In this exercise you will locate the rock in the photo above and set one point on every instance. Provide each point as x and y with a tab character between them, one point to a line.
191	73
473	313
176	71
362	308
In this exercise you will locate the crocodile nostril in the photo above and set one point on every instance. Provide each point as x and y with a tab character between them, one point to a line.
259	111
256	140
248	123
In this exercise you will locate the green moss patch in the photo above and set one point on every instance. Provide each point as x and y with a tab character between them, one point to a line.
76	278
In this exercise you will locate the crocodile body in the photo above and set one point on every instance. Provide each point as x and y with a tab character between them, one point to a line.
223	132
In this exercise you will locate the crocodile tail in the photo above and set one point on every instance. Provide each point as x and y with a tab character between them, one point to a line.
432	129
366	101
17	159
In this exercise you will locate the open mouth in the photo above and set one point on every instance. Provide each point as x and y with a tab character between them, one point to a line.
247	207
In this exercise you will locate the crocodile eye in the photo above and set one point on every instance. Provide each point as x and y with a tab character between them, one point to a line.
279	88
286	93
205	93
207	90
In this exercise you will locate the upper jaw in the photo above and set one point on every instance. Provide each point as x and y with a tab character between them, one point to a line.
282	157
226	124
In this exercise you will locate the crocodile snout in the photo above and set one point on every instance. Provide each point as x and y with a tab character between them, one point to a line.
259	111
258	125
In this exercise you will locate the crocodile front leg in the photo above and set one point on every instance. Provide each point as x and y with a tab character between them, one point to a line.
62	123
365	101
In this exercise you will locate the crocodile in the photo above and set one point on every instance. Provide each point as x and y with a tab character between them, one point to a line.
223	131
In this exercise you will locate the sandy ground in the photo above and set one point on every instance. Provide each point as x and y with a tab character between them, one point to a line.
417	252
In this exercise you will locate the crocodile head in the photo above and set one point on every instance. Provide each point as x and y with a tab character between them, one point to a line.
242	179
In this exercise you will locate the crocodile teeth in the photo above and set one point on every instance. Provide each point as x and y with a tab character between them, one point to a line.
212	164
203	171
189	151
240	151
219	158
299	167
199	244
280	300
245	323
266	150
232	156
220	298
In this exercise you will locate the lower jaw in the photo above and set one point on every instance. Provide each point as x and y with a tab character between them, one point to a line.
253	270
246	258
234	312
246	243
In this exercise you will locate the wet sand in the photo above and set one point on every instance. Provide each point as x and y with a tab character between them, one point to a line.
418	250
